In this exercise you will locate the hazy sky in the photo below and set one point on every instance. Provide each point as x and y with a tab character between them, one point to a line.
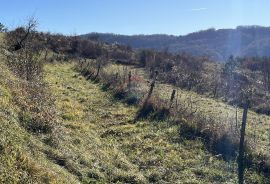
176	17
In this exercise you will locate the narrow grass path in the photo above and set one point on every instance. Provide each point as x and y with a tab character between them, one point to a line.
100	143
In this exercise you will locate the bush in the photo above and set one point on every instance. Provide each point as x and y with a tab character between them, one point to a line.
161	114
216	141
119	93
226	146
188	130
145	111
34	123
132	99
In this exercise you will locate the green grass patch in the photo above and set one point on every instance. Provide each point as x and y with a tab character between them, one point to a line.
110	147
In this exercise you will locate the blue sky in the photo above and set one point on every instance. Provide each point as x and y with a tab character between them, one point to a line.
176	17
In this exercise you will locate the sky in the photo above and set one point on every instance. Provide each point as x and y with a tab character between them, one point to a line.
175	17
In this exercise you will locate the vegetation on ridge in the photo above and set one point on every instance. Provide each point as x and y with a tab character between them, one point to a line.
149	127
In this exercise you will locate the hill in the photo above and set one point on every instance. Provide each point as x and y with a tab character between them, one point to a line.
95	140
218	44
66	129
73	114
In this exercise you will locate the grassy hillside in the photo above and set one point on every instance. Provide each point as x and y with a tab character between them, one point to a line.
215	111
97	141
23	157
58	127
258	125
206	116
1	36
103	143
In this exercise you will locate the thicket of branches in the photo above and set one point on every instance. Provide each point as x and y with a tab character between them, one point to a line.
23	49
227	81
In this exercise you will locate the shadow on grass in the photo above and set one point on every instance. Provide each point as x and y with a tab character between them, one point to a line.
149	111
223	146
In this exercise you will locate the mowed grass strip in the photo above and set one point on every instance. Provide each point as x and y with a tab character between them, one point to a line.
103	144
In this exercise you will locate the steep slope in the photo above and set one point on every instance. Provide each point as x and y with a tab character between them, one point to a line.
218	44
23	147
96	140
22	153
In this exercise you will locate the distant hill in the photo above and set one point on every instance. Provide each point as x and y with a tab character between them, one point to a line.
218	44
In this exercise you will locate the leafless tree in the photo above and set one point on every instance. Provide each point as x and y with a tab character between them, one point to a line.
25	46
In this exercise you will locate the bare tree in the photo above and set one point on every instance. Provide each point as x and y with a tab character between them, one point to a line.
25	46
21	35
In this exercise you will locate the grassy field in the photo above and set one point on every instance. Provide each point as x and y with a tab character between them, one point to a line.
103	144
1	39
1	36
97	141
258	125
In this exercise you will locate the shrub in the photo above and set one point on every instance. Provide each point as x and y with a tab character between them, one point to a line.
132	99
145	111
161	114
35	123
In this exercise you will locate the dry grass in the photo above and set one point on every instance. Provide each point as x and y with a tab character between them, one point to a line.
21	153
258	125
212	114
104	145
1	37
96	140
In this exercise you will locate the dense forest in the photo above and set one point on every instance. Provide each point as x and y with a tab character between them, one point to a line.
217	44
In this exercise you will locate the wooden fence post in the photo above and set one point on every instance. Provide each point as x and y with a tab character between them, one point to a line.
241	156
129	81
98	69
236	118
151	87
172	98
116	75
